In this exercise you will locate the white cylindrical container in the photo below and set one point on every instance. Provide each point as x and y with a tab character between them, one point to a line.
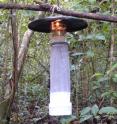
59	78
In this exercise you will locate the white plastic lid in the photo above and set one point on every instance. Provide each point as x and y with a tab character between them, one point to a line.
60	104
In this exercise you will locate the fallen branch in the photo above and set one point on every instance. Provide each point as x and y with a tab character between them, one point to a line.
49	8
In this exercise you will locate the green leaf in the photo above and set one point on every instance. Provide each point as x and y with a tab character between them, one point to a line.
90	53
100	37
77	54
103	79
96	87
94	36
97	75
115	78
90	37
67	119
106	94
86	117
72	68
28	13
112	68
115	94
108	110
85	111
95	110
92	1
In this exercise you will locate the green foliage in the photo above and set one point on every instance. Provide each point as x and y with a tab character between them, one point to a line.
66	119
94	112
112	69
92	1
85	117
97	75
88	113
35	92
98	37
114	78
85	111
90	53
110	94
108	110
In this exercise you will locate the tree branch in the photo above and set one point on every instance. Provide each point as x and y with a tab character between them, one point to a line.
15	47
112	44
23	50
48	8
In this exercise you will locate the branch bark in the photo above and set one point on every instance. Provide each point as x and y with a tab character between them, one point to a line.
15	47
111	52
23	50
49	8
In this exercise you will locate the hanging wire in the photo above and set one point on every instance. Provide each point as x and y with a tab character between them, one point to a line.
55	7
58	3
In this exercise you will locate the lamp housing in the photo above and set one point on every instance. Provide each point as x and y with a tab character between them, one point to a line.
60	86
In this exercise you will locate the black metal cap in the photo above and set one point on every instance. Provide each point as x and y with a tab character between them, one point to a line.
44	24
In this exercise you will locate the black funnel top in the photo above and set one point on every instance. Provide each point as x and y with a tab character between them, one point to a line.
44	24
